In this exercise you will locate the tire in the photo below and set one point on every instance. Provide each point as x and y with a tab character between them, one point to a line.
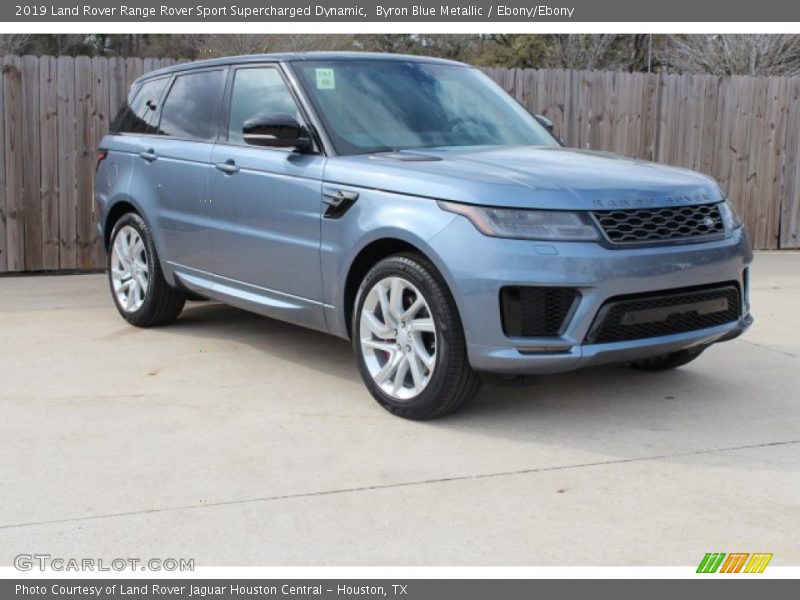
141	294
665	362
432	338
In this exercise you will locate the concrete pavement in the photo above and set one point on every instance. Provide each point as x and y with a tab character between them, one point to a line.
237	440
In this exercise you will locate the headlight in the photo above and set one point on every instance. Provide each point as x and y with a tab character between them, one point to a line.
729	218
524	224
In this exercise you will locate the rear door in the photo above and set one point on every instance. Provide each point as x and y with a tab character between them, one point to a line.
130	131
266	202
176	160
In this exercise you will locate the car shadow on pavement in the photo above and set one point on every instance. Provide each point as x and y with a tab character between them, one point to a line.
603	408
629	397
319	351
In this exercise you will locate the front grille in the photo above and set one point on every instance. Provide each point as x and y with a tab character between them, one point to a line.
654	225
664	313
536	311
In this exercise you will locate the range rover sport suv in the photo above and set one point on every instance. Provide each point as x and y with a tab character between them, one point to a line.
410	205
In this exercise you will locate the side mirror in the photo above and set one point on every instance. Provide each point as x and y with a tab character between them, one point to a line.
275	130
545	122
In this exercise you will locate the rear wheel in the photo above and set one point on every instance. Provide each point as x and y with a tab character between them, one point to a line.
409	340
141	294
665	362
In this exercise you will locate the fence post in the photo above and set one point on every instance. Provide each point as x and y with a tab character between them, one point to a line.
67	209
15	209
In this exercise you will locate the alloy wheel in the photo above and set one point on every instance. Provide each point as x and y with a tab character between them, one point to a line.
129	269
398	338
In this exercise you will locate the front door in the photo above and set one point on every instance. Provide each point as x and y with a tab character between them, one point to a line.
266	204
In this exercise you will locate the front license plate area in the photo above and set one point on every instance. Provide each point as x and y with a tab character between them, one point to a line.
656	315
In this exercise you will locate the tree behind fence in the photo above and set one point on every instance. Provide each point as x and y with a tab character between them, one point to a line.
744	131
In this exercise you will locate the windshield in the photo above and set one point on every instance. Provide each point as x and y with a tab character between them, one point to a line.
382	105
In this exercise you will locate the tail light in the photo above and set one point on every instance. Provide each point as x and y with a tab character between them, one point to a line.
101	156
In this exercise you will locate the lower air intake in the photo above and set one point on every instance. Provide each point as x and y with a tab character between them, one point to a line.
664	313
536	311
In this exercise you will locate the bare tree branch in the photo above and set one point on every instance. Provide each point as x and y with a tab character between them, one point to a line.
734	54
226	45
14	43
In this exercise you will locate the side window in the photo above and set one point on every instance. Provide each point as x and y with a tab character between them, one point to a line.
257	90
136	115
191	109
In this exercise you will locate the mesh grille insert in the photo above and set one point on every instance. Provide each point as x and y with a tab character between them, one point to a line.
664	313
536	311
652	225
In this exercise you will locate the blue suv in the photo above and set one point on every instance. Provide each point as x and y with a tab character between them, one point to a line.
410	205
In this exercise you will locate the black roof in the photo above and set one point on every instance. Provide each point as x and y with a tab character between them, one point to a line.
294	56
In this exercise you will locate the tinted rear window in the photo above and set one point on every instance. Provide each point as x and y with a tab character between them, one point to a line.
191	109
139	110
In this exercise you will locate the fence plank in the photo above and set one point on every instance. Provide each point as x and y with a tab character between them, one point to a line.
766	160
708	131
133	68
790	186
67	195
15	209
101	113
636	110
722	167
740	147
583	110
117	92
650	117
150	64
771	157
31	156
754	185
604	110
536	82
48	145
695	105
668	125
561	101
84	157
622	122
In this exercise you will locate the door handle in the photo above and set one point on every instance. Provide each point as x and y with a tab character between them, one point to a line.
228	167
336	198
149	155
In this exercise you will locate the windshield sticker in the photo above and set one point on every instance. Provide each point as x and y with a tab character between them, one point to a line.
325	79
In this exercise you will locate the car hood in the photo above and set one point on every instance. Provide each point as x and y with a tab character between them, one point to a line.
525	177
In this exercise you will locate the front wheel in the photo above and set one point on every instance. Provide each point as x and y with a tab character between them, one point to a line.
409	340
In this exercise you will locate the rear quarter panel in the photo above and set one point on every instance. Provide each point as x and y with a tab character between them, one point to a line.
112	180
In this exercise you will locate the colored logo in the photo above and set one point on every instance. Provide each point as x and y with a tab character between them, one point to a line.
734	562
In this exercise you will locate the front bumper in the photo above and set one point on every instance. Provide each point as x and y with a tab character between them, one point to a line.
510	360
477	267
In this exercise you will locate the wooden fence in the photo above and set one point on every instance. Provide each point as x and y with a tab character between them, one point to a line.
54	111
744	131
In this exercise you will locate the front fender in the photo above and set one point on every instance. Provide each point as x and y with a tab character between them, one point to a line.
376	216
